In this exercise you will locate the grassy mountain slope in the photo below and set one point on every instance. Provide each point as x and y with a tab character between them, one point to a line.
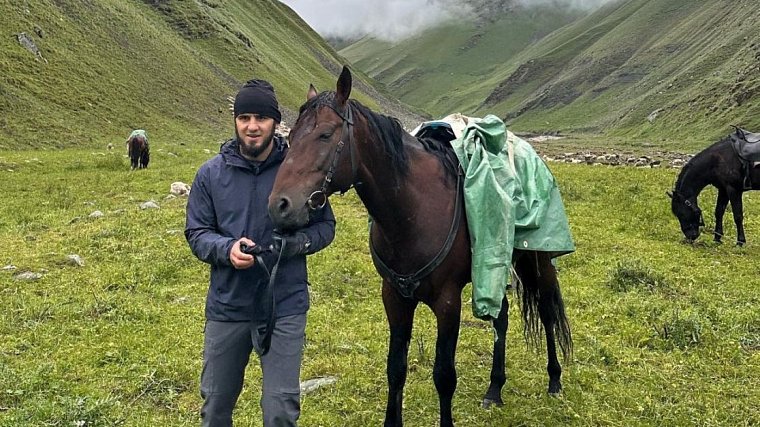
449	67
695	64
108	66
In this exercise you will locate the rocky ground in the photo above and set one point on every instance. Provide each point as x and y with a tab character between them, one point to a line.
552	151
542	145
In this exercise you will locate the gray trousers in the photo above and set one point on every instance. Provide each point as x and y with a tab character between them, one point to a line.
227	347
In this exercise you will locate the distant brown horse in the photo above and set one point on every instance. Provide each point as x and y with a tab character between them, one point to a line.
419	238
139	152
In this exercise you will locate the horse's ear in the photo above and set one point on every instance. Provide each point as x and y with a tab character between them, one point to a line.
669	194
344	86
312	92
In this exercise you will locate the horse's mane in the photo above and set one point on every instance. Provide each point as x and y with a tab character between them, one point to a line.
444	152
391	135
696	160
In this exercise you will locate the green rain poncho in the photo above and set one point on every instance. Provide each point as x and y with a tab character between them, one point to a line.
138	132
511	201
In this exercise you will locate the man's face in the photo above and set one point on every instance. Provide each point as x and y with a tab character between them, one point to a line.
255	134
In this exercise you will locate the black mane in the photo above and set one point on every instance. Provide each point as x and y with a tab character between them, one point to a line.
700	157
391	135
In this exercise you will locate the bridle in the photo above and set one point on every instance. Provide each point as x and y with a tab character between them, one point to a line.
346	138
694	208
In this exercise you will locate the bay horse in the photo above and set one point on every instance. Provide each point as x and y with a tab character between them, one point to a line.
419	238
139	152
720	166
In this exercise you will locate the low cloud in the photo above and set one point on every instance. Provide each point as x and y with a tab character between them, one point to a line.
387	20
580	4
394	20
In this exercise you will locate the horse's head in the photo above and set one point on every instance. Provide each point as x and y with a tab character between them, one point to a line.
688	213
320	160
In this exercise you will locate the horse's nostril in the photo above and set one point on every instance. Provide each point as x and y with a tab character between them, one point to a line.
283	204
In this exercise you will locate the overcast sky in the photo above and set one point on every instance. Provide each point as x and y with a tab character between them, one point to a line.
390	19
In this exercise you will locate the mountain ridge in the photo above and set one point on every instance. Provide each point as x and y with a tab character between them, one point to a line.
633	68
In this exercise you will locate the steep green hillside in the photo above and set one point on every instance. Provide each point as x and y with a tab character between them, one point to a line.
646	68
670	69
446	68
107	66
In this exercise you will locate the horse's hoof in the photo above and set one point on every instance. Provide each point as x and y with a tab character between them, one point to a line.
487	403
554	389
740	244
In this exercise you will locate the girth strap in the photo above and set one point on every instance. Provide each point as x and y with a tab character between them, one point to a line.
406	284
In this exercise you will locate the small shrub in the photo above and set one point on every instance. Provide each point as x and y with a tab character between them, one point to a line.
627	276
750	342
682	331
571	192
85	411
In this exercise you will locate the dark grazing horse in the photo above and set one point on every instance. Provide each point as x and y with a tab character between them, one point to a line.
139	151
720	166
419	236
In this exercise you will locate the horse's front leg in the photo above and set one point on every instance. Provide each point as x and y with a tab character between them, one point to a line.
400	313
498	374
447	309
720	209
738	211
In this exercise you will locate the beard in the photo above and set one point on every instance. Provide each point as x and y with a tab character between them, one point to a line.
253	150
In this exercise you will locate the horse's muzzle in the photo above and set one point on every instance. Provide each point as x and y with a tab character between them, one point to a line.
286	215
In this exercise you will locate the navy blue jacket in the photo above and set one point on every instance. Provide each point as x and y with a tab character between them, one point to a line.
228	201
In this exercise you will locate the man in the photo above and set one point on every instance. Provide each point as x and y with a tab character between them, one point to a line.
227	208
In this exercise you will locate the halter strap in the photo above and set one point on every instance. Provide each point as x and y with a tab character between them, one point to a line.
348	135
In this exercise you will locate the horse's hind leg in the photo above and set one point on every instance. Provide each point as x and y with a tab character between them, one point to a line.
541	291
447	309
400	313
498	374
546	311
144	159
738	210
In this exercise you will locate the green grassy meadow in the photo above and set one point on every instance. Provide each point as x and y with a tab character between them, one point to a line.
665	333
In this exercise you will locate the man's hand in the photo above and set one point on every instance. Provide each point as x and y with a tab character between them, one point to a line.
295	244
239	259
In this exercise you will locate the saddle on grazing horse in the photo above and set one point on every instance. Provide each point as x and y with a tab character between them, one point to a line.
747	147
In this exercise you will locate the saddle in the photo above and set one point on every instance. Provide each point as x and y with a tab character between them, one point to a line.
747	146
438	130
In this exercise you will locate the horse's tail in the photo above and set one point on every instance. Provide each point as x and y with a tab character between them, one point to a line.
539	293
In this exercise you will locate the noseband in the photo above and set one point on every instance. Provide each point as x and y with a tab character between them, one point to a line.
691	206
695	209
318	199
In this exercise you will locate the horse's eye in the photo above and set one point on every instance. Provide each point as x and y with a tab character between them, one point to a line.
325	136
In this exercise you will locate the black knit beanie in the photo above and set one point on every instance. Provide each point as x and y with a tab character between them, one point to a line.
257	97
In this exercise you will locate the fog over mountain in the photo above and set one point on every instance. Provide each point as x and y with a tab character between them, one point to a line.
394	19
